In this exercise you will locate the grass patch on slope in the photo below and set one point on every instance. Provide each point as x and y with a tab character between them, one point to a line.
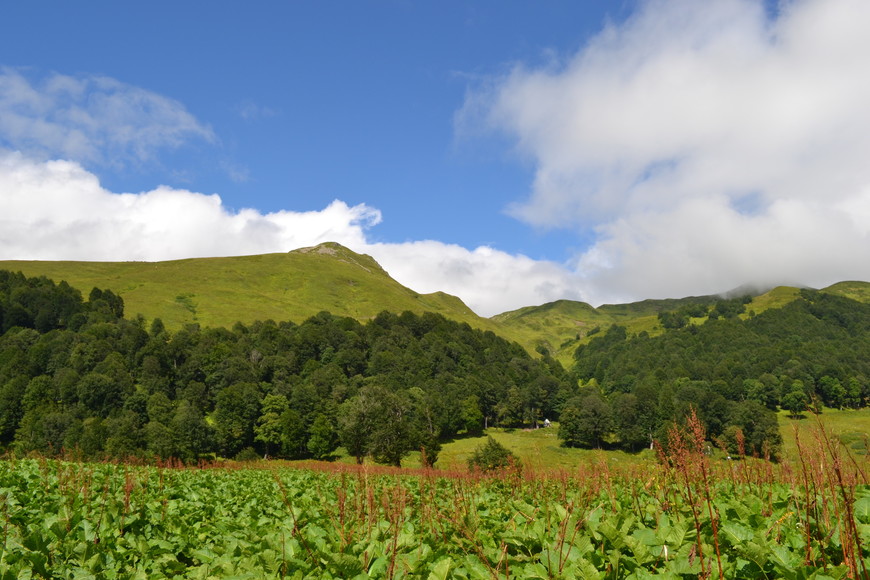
859	291
776	298
538	449
557	326
851	427
222	291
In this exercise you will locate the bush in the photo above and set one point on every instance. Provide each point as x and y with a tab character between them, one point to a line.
492	456
247	454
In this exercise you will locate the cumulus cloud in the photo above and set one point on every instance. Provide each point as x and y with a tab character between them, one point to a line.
57	210
709	144
92	119
488	280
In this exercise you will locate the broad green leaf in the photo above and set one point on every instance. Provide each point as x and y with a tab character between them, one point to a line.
862	509
735	532
534	570
441	569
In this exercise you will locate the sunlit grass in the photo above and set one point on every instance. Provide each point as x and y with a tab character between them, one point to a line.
281	287
541	450
538	449
848	424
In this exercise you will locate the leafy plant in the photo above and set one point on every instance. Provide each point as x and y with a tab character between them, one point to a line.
492	456
689	516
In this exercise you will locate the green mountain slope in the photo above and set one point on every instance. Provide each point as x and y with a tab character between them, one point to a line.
222	291
299	284
563	325
559	327
556	326
859	291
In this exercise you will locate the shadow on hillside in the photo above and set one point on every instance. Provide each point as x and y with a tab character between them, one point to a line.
797	417
461	437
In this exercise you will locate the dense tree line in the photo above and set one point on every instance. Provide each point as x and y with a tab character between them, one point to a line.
77	376
734	372
42	305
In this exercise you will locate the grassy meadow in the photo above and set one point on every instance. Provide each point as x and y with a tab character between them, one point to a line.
540	449
222	291
690	517
850	426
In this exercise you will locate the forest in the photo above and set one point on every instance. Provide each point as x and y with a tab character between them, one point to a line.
734	371
77	377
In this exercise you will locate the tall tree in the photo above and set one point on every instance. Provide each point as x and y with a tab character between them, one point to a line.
323	440
236	412
585	422
269	429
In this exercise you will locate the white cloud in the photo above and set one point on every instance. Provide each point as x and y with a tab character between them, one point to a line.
91	119
488	280
708	143
57	210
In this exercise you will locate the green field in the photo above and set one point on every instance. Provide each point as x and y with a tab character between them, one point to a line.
568	514
850	426
538	449
693	517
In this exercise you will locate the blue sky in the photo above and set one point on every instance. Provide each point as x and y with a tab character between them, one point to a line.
510	153
315	101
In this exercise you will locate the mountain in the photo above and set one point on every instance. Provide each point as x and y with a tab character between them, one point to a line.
561	326
859	291
222	291
299	284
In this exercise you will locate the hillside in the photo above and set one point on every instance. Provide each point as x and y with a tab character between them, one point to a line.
859	291
563	325
299	284
76	374
735	362
556	326
222	291
732	369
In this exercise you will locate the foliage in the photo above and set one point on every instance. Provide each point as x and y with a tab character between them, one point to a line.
689	516
472	416
218	291
40	304
585	422
323	441
492	456
733	372
399	383
83	378
296	285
